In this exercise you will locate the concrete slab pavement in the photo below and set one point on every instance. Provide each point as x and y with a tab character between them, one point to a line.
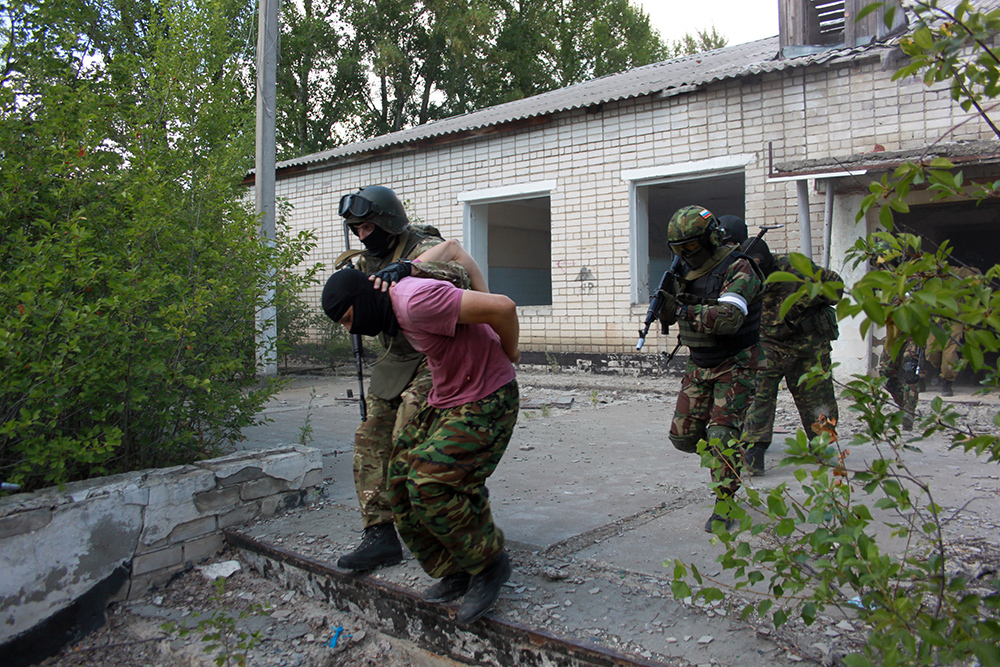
593	499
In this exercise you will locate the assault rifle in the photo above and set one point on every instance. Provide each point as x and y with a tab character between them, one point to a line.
668	283
356	344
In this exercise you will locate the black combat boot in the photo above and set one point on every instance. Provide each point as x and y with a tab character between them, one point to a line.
717	518
484	589
379	546
946	388
448	588
755	457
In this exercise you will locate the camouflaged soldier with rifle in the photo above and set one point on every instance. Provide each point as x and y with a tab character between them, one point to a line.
715	302
400	379
790	347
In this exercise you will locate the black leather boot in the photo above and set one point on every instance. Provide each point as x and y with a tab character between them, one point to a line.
946	388
448	588
755	457
379	546
485	589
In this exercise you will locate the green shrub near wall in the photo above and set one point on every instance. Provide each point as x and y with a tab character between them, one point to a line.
131	265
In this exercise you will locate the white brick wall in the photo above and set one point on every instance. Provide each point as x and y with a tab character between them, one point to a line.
807	114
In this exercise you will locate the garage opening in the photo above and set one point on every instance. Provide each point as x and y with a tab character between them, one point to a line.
970	230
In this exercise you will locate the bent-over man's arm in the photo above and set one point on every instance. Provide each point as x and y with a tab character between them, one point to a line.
499	312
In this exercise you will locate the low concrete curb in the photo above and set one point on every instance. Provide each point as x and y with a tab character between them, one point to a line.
66	552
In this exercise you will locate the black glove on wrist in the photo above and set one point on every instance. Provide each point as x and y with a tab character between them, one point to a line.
395	272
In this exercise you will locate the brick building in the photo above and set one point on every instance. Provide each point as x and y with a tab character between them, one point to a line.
564	198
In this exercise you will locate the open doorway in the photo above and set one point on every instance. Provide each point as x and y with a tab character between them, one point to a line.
722	194
970	230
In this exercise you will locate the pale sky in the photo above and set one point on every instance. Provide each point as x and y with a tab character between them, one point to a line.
739	21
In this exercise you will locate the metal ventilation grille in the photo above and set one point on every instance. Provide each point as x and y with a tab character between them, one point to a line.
832	15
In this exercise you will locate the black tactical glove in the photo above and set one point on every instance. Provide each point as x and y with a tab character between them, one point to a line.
395	271
668	309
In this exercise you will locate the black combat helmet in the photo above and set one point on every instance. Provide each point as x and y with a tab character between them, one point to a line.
377	204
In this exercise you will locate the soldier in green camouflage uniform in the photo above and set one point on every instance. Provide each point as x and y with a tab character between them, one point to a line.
400	379
716	305
790	347
903	379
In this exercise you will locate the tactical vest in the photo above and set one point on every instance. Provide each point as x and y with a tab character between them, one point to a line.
708	350
394	371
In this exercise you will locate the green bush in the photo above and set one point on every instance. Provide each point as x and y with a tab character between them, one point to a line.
132	269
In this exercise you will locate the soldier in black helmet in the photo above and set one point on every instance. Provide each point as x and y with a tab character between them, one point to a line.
400	379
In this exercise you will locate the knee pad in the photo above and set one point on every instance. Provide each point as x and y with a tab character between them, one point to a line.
724	433
686	443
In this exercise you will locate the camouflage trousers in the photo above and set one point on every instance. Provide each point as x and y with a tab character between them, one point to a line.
711	398
902	376
813	401
374	441
944	356
437	479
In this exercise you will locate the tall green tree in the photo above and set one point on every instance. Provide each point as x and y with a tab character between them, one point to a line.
131	265
699	42
318	79
353	69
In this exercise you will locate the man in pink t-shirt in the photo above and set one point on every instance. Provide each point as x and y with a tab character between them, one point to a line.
440	463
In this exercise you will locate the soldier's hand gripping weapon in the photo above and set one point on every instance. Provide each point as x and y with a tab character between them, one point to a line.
356	344
667	283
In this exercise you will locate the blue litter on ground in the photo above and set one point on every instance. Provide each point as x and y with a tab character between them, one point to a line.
337	632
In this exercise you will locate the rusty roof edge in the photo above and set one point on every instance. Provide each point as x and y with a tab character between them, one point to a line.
963	152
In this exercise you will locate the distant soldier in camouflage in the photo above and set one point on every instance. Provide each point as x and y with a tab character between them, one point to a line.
439	466
902	376
790	347
716	306
400	379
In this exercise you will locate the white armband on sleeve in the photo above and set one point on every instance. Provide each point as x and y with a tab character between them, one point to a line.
735	299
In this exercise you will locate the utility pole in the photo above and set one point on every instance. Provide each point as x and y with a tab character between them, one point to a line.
267	67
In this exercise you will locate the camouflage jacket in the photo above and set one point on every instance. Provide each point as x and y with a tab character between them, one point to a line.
719	327
394	370
809	323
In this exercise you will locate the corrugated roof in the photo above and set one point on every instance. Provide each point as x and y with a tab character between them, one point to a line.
676	75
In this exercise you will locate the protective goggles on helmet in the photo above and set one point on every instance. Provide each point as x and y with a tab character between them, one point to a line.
687	247
357	206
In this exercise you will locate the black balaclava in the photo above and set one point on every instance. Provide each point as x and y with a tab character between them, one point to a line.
372	308
757	250
379	242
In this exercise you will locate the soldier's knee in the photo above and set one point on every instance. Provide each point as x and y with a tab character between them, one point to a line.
725	434
685	443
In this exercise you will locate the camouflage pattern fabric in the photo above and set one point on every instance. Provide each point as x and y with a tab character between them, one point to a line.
711	396
437	477
374	441
790	347
789	363
902	376
399	384
944	357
